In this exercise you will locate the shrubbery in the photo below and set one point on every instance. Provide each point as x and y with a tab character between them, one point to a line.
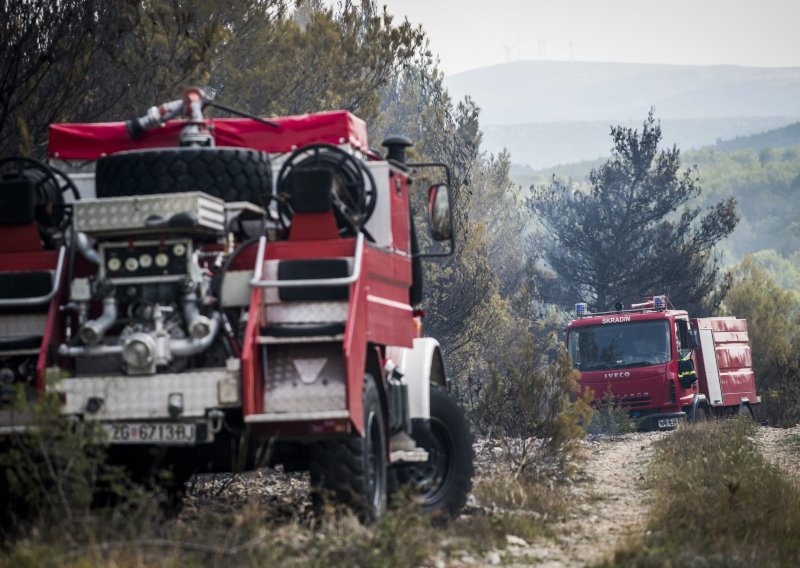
610	417
718	502
529	405
55	473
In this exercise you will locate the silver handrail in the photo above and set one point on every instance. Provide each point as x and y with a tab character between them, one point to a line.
38	300
257	282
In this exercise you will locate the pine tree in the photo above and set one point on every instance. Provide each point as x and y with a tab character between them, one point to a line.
635	231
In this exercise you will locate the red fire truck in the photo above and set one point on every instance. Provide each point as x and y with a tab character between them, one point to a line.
661	365
221	294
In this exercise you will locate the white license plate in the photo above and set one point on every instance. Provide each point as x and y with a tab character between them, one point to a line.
667	422
150	433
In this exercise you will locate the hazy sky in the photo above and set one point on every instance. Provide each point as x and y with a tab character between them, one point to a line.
475	33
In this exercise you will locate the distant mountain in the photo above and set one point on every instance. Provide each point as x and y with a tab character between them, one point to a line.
548	144
785	137
548	112
776	138
547	91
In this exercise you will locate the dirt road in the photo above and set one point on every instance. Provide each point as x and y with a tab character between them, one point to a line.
611	499
608	499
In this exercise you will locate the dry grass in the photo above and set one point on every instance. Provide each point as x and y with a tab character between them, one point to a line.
506	492
237	524
718	502
402	539
247	528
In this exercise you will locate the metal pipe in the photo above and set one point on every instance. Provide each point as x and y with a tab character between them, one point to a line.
86	249
178	347
65	350
92	331
197	324
183	347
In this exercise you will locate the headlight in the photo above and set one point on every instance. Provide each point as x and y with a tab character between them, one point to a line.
162	260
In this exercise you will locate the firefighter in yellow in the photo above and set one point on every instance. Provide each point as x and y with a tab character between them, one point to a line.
686	373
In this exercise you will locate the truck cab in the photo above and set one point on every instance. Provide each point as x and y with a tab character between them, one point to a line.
661	365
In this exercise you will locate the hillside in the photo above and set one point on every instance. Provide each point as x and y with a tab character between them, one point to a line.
549	91
550	112
765	183
784	137
546	144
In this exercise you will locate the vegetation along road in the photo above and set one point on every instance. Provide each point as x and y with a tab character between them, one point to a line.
604	516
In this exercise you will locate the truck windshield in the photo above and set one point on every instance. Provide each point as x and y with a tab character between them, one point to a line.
619	346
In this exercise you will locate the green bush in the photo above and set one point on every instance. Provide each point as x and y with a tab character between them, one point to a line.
610	417
528	403
54	475
718	502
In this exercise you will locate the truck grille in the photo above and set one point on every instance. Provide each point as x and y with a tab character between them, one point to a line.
635	401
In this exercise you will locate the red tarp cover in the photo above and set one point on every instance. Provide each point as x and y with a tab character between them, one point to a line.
90	141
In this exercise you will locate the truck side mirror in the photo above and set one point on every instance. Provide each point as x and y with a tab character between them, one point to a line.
439	212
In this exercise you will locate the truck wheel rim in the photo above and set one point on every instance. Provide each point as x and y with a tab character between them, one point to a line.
431	478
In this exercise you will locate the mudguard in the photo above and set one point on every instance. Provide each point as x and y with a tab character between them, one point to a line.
696	401
421	365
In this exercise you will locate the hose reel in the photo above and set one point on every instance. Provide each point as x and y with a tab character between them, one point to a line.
348	186
32	191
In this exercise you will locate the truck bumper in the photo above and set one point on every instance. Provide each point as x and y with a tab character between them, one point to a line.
661	421
196	397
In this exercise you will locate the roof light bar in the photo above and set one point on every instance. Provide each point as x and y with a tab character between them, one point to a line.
660	302
581	308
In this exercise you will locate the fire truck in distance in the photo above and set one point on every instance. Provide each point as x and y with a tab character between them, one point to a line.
661	365
216	295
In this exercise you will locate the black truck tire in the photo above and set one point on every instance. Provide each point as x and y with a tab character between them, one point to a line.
231	174
442	484
701	414
353	471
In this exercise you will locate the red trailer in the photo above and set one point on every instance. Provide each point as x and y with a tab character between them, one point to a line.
662	365
232	292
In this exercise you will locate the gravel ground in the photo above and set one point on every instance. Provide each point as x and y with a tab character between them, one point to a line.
279	495
609	503
781	446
